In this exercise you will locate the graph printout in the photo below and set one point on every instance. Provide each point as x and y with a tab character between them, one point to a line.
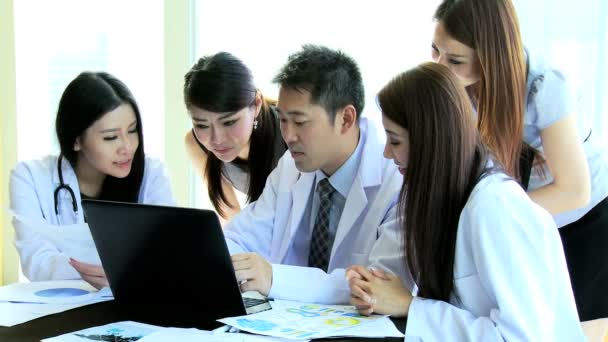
301	321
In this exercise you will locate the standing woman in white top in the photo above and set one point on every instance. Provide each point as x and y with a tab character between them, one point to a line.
523	105
102	157
236	139
488	261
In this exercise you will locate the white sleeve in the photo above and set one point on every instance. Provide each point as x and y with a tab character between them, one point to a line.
40	260
308	284
312	285
551	99
387	253
251	229
156	184
516	251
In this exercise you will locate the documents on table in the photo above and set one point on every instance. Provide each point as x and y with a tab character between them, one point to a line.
121	331
133	331
302	321
52	292
194	335
292	320
22	302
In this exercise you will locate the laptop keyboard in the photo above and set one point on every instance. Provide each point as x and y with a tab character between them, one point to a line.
249	302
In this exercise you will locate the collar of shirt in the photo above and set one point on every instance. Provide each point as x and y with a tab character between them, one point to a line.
344	177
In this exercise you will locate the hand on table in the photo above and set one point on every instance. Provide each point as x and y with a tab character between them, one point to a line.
377	291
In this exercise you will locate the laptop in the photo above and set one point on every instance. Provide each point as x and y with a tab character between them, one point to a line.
167	262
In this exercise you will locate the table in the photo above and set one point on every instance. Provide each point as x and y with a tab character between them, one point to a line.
104	313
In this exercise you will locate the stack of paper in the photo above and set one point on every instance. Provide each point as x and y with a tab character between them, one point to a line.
121	331
133	331
22	302
194	335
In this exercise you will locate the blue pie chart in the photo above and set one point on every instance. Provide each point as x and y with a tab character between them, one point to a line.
61	292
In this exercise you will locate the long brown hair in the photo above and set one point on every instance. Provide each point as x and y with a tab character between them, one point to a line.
446	160
491	28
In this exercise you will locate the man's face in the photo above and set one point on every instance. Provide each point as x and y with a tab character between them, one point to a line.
311	137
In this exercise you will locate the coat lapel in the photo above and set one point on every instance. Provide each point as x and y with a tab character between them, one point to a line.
299	199
369	174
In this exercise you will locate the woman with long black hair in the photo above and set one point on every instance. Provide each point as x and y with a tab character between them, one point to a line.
99	129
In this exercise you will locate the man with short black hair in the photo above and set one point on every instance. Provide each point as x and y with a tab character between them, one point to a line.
331	201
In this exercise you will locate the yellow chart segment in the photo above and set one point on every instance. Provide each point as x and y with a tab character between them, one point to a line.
342	322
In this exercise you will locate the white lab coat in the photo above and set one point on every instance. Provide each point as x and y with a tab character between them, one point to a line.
32	187
367	234
510	275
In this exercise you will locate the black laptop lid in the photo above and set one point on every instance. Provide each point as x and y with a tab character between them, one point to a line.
167	258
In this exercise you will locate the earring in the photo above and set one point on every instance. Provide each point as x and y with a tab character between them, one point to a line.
255	124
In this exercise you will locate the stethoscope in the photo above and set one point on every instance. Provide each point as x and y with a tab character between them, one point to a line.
63	186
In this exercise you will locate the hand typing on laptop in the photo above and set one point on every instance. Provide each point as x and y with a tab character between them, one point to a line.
253	272
135	241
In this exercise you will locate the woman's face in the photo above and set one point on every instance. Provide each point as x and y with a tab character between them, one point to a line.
226	135
397	145
458	57
108	146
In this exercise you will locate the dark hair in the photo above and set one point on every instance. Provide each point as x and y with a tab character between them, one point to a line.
85	100
332	78
446	160
222	83
490	27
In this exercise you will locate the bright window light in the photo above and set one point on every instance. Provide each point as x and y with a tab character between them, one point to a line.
384	37
56	40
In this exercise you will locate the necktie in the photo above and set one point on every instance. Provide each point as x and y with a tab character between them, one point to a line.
320	245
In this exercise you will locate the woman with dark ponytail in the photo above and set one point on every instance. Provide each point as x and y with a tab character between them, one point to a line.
235	142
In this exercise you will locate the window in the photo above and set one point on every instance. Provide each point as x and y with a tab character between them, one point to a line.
384	37
574	40
56	40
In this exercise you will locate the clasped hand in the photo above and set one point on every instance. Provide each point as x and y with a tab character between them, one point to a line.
377	291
